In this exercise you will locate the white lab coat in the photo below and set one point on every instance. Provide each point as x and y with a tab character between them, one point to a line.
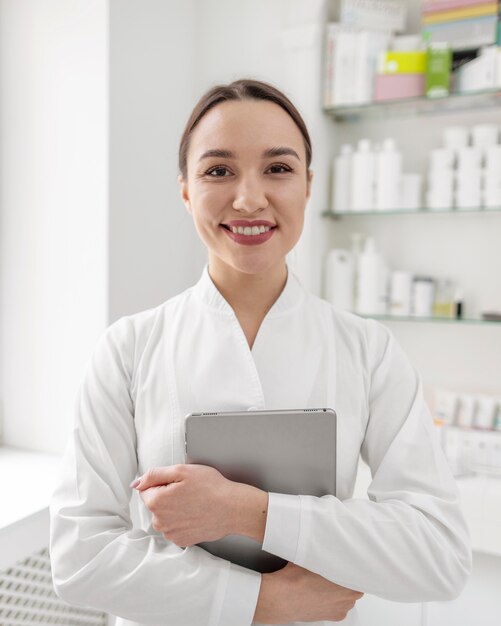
408	542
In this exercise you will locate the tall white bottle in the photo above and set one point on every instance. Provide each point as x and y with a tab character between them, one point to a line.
388	177
341	183
372	281
362	177
339	277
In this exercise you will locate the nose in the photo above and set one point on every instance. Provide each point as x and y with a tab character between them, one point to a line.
250	195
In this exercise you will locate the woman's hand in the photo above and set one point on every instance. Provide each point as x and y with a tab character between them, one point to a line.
294	594
193	503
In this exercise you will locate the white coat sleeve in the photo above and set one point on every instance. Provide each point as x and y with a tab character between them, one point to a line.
408	542
98	559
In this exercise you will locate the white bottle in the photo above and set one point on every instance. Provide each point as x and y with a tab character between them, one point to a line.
400	293
423	293
372	281
388	176
491	189
456	137
356	251
440	192
468	192
362	177
341	180
339	277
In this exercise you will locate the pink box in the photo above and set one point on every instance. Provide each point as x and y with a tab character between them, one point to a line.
433	6
395	86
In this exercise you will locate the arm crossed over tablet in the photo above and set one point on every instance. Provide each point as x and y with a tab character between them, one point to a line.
194	503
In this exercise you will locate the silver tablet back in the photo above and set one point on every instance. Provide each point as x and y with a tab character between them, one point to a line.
285	451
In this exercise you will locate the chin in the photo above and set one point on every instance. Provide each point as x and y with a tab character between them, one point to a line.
258	265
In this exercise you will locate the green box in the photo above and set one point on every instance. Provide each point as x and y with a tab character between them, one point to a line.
438	69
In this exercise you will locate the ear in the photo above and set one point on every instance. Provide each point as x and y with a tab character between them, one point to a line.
183	184
308	183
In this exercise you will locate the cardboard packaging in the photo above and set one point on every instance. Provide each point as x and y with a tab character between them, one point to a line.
382	15
405	62
396	86
438	70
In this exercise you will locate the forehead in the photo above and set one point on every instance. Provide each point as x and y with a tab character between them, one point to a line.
246	124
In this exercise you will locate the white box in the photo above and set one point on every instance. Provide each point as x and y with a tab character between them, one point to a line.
385	15
466	410
345	62
368	46
486	412
481	73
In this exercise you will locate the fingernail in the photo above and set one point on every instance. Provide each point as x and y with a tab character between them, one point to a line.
135	483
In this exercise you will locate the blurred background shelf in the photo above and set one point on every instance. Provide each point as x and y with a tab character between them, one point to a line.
406	107
420	211
440	320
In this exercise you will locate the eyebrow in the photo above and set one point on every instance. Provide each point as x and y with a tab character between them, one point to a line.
270	153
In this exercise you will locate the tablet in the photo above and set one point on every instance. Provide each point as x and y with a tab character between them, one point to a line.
282	451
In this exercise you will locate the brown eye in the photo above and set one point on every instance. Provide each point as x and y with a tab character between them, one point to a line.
218	172
280	169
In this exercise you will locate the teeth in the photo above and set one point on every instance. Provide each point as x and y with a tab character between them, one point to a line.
250	230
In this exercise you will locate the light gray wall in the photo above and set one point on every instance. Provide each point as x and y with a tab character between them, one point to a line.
154	250
53	199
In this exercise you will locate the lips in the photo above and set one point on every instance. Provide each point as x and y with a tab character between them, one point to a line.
249	239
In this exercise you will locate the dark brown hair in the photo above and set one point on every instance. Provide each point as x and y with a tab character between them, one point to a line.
244	89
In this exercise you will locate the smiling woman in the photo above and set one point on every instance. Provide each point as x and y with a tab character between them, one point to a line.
248	335
245	179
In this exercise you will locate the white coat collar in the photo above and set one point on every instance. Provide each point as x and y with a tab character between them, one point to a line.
291	297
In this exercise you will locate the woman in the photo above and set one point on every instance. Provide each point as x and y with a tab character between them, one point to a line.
248	335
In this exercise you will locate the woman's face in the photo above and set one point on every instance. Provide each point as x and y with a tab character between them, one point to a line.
247	170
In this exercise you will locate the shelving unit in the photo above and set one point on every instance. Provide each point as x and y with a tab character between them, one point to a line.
390	111
420	211
439	320
463	354
406	107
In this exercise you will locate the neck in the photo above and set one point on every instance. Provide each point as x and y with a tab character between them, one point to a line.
248	294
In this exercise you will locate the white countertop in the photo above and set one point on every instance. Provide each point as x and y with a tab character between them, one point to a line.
28	479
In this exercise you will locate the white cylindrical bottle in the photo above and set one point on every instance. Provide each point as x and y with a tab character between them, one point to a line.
388	176
362	177
341	180
423	292
339	278
491	190
400	293
356	251
468	192
455	137
440	191
370	273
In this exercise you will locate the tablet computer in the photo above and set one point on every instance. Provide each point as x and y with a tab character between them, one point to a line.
283	451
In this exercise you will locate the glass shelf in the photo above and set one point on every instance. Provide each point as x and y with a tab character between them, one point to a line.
422	211
440	320
472	100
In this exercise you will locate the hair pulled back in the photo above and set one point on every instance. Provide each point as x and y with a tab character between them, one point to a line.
243	89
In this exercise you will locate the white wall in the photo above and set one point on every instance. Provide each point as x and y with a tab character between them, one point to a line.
94	96
154	250
53	125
